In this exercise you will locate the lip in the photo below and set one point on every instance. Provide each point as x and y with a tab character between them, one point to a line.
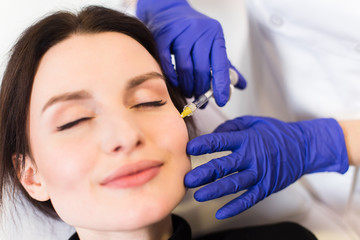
133	175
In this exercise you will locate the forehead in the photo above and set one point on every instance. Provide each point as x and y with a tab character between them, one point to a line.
107	52
85	60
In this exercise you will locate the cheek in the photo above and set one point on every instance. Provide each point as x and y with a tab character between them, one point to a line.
170	132
65	169
62	164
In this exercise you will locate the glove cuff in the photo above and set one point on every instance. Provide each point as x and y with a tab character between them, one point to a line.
146	9
326	148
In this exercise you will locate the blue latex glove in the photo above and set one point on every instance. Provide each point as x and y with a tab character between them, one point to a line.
197	42
267	156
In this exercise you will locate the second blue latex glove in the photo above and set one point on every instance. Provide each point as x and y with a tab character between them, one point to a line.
197	42
267	156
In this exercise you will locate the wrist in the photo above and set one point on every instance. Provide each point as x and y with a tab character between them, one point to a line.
325	146
351	130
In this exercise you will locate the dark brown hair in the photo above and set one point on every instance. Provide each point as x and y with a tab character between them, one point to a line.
19	76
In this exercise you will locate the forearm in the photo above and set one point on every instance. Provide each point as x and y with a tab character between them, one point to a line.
351	130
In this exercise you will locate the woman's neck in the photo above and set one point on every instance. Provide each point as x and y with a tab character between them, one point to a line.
158	231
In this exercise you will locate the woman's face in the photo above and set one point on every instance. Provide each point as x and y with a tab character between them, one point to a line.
107	141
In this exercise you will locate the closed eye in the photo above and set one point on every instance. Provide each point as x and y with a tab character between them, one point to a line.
150	104
73	123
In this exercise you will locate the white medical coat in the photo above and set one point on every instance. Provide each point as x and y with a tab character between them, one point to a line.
306	58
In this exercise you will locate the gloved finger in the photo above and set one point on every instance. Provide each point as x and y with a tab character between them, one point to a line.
241	83
237	124
184	66
241	203
220	69
214	169
168	67
201	61
215	142
228	126
227	185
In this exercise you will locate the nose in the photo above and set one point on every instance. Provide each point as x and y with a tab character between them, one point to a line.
120	135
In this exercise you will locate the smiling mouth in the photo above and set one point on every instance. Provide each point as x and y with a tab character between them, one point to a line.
133	175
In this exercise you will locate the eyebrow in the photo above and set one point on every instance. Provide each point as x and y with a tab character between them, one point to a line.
78	95
136	81
82	94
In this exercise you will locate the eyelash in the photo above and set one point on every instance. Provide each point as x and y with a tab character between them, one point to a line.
150	104
140	105
73	123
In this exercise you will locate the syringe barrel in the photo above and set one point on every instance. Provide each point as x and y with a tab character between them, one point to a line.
203	98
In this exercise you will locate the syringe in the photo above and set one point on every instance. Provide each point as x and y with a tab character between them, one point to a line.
190	108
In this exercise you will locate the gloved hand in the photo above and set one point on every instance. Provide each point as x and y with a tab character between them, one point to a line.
197	42
267	156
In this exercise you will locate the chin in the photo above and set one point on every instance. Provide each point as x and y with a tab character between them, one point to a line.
156	212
